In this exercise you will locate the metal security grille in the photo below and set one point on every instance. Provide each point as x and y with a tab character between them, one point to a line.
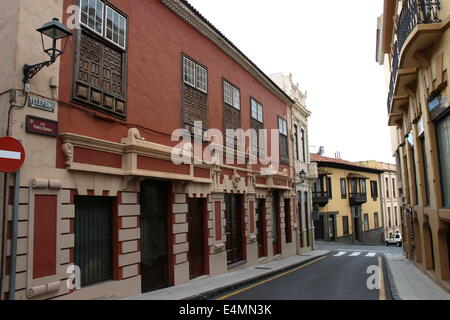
93	239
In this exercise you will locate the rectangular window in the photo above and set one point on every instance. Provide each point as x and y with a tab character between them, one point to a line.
284	147
343	189
389	217
91	15
374	189
443	141
93	239
345	225
396	216
377	222
393	188
387	187
201	76
195	75
116	25
231	95
189	71
100	71
257	111
366	222
297	147
363	187
304	146
329	188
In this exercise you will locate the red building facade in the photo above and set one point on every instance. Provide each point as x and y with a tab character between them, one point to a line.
122	211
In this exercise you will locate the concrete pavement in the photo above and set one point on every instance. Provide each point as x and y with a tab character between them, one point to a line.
205	288
410	283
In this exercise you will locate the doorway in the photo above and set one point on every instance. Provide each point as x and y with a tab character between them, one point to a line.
154	239
261	227
233	228
276	237
196	235
318	228
332	227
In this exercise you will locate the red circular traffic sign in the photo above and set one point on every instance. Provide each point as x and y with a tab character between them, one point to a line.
12	154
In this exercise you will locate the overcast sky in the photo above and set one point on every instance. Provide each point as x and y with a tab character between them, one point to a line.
329	46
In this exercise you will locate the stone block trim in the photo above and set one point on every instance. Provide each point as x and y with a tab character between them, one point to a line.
180	228
128	235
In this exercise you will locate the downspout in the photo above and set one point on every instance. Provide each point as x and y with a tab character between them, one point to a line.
380	182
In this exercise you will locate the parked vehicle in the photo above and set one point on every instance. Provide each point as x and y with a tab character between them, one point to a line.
394	239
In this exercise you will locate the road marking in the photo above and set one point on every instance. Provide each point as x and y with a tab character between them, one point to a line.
270	279
355	254
340	253
371	254
381	274
364	250
10	155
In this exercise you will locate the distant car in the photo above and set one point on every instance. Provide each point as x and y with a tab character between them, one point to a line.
394	239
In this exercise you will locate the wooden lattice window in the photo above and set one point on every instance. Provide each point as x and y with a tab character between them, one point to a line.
195	97
284	147
100	61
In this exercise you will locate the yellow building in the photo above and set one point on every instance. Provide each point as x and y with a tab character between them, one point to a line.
414	46
347	202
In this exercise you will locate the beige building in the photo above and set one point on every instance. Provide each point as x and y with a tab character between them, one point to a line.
414	46
390	198
305	170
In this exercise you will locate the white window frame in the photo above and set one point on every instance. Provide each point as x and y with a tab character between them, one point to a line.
233	94
201	76
282	126
189	70
103	16
259	111
196	69
106	26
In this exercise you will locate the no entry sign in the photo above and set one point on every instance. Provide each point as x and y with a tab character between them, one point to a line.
12	154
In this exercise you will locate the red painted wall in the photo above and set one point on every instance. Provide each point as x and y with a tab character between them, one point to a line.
156	40
44	249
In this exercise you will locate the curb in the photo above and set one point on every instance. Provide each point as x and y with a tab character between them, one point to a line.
233	286
392	287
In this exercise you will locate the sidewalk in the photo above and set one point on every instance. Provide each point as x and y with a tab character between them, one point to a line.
410	283
205	288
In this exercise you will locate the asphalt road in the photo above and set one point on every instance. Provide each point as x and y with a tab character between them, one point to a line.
341	275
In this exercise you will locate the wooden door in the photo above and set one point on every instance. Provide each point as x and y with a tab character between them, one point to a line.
154	240
276	232
233	229
196	234
261	227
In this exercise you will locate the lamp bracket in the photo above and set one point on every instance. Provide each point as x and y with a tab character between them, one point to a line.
30	71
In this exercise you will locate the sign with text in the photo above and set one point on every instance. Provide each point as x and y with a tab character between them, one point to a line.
41	126
41	104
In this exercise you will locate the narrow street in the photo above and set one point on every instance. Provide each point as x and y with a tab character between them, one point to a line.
341	275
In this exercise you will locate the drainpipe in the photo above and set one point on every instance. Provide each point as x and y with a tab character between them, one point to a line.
15	218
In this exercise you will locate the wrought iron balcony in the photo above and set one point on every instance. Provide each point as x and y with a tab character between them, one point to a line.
394	71
357	198
320	198
416	12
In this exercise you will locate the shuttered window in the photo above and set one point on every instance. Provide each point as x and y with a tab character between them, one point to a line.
93	239
284	148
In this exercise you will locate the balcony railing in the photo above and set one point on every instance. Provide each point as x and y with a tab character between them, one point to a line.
357	198
416	12
394	67
320	198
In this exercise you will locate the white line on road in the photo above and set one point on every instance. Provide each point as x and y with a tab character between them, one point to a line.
340	253
10	155
371	254
355	254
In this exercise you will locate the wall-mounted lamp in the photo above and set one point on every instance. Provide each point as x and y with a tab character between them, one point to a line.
302	175
55	30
